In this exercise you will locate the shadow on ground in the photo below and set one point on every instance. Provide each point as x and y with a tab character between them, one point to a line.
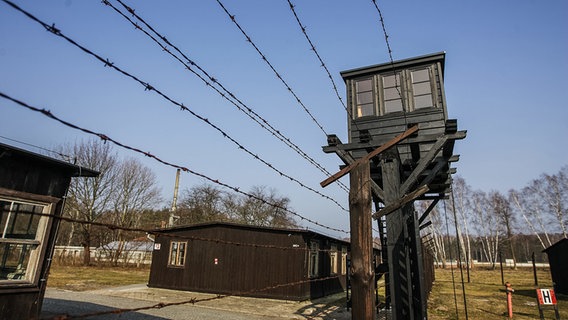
325	309
52	310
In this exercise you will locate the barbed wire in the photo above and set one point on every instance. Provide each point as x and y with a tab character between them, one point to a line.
265	59
183	237
106	138
323	65
190	301
384	30
226	94
166	234
396	85
148	87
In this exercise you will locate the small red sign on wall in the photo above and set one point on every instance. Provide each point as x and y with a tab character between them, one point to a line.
546	297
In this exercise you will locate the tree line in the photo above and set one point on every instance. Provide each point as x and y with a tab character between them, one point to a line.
493	224
125	194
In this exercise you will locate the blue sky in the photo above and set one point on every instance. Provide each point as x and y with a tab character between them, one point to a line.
505	81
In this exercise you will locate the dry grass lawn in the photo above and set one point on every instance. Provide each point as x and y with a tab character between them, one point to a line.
79	278
485	295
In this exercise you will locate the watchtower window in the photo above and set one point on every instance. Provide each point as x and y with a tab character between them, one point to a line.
422	88
392	93
365	102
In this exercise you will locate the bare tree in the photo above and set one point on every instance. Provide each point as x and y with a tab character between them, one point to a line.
207	203
91	198
201	204
555	194
436	232
527	207
502	209
486	226
135	191
537	209
266	208
462	203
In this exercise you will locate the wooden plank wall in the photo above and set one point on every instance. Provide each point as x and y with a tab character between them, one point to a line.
241	270
431	123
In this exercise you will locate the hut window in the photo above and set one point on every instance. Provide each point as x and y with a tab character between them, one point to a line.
21	235
392	93
178	251
343	260
422	88
364	98
313	261
333	259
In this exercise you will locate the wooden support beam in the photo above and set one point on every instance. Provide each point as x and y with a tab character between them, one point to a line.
434	172
425	225
427	212
348	159
401	202
420	139
427	159
363	276
369	156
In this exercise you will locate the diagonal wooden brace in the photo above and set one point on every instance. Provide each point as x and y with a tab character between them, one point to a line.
369	156
401	202
348	159
427	159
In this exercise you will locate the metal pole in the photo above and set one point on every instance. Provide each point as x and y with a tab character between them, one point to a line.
459	254
501	264
467	265
534	270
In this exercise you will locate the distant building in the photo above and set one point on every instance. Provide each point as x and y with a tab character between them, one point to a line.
30	185
558	260
137	251
227	258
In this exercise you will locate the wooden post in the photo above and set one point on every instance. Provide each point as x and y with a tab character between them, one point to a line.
361	242
404	249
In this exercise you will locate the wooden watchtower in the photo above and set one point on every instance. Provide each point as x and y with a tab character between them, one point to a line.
398	124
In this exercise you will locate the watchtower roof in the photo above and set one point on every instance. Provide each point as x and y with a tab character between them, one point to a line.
397	65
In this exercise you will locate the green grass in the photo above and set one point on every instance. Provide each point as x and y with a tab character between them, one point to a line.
485	295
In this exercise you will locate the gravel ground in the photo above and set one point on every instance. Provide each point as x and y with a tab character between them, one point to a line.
63	302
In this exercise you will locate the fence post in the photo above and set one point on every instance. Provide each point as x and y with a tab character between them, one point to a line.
534	270
360	213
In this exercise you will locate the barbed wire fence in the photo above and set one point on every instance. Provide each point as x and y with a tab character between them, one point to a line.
213	83
271	66
106	138
229	96
148	87
165	234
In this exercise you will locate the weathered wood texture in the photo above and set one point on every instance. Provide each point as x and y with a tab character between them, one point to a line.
383	106
246	270
361	242
370	155
32	177
403	247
